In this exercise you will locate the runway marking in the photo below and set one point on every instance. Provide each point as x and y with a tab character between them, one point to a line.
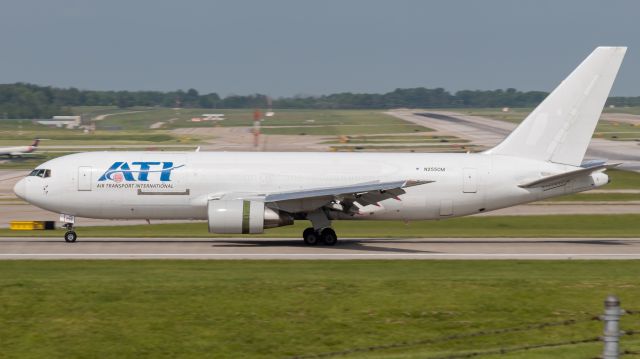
506	255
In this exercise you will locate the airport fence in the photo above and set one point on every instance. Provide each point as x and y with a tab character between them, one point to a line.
610	338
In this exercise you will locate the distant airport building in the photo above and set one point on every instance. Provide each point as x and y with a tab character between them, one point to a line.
209	117
62	121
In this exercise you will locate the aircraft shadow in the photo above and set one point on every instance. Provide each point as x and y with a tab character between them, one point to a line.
343	244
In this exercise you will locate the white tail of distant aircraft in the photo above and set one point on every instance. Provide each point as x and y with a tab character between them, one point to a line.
19	150
246	192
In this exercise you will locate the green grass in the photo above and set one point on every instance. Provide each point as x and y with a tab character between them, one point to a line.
605	129
623	180
514	115
413	148
31	161
618	131
90	112
57	137
634	110
598	197
316	122
280	309
41	156
343	130
395	139
595	226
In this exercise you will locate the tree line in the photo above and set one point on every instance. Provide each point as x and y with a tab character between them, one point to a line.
22	100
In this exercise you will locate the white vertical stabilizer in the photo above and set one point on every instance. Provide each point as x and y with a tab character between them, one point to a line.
560	128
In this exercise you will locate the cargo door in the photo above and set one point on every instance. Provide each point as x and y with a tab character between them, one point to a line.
469	180
446	207
84	178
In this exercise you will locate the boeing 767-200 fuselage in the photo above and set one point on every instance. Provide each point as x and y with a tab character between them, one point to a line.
246	192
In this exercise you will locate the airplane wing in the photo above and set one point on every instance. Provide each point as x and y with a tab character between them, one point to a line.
392	189
567	176
367	193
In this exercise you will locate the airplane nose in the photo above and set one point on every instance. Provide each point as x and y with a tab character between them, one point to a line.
20	189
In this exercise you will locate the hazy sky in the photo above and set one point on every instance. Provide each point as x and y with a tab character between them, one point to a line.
289	47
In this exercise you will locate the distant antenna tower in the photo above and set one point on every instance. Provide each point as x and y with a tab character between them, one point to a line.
257	117
270	112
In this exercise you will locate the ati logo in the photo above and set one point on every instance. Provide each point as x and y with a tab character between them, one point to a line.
120	171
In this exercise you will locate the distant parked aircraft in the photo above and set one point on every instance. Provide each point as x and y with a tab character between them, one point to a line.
18	151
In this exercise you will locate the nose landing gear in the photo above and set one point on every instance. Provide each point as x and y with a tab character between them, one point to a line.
70	236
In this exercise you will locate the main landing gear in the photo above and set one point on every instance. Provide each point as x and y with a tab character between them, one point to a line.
326	236
321	231
70	236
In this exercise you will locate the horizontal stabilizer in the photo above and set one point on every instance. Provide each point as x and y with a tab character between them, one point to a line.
567	176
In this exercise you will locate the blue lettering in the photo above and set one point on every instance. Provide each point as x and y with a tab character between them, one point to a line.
143	172
166	171
144	169
118	167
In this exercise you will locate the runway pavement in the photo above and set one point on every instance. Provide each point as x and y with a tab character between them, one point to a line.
487	132
289	249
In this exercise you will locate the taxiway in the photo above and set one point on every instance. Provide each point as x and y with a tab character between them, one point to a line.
290	249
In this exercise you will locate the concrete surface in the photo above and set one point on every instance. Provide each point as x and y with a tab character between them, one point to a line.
279	248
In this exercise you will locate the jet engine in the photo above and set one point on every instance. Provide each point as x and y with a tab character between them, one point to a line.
245	217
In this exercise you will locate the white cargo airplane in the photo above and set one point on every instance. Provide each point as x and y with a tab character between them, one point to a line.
246	192
19	150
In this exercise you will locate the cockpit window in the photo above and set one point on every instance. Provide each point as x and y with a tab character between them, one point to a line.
44	173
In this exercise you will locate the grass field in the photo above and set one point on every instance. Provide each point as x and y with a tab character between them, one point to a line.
31	161
517	114
282	309
629	110
323	122
337	130
61	137
39	157
610	130
627	225
394	139
126	126
408	148
514	115
619	131
623	180
598	197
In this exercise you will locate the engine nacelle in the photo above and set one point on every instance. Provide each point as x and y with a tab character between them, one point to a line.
243	217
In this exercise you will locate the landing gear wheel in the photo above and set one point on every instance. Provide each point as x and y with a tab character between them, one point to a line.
329	237
70	236
310	237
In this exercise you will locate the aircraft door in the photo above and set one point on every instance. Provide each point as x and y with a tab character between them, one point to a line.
469	180
446	207
84	178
